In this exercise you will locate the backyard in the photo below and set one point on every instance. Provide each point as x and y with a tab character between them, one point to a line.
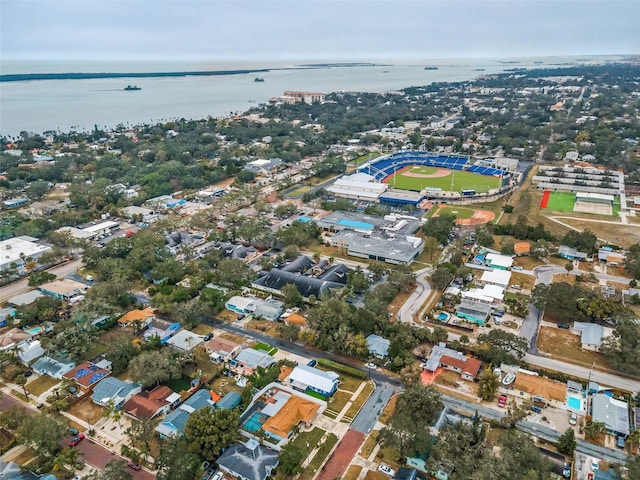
40	385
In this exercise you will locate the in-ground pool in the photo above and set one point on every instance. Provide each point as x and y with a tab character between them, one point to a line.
574	403
444	316
35	330
254	422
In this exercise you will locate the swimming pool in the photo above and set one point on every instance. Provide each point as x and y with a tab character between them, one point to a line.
355	224
35	330
254	422
574	403
443	316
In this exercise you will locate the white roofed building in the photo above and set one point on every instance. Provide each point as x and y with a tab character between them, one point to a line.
16	251
499	278
359	186
306	378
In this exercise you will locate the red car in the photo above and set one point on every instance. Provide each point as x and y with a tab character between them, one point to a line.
76	440
502	401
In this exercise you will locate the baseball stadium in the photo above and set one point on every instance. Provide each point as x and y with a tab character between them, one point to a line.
413	177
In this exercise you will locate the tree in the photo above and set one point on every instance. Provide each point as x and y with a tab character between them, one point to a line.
622	348
21	381
516	412
210	431
176	462
567	442
508	247
114	470
43	432
290	459
632	469
500	346
441	277
12	417
401	433
155	366
288	331
439	227
593	429
488	384
292	296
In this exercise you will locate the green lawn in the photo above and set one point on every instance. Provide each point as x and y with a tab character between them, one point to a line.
41	385
364	158
459	212
313	438
457	181
561	201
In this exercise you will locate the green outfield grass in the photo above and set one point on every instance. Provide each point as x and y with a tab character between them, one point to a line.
561	201
461	181
459	212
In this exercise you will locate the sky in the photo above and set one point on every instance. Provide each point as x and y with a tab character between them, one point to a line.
340	30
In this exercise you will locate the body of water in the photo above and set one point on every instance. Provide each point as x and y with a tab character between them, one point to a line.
38	106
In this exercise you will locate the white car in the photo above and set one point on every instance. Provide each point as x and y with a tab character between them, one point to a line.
386	470
594	464
573	419
371	366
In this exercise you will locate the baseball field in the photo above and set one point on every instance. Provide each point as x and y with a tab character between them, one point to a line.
419	177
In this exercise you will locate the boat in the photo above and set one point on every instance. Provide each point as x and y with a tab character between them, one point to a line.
431	67
130	88
258	79
509	378
478	69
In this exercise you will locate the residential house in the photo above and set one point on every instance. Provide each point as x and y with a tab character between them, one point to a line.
163	329
244	305
539	389
175	422
64	289
185	341
52	367
115	392
296	319
496	277
86	375
611	257
140	317
248	461
378	346
221	349
29	351
473	312
591	334
612	412
13	338
497	261
443	357
571	253
7	315
304	378
269	310
229	401
248	360
26	298
147	405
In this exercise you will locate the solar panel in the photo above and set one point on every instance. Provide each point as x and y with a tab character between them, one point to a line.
83	372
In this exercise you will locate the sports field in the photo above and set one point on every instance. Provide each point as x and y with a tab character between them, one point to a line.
459	212
561	201
418	177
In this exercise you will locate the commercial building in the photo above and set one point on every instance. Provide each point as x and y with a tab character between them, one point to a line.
358	186
15	252
394	249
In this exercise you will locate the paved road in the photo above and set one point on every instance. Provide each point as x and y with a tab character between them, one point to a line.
368	415
417	298
93	454
21	286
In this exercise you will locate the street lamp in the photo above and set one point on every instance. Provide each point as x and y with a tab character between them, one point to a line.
308	452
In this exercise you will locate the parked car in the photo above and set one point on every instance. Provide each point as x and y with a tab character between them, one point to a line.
27	374
566	470
536	409
564	326
371	366
76	440
573	419
502	401
134	465
386	470
516	267
498	313
74	431
241	316
218	476
595	465
312	363
39	406
208	336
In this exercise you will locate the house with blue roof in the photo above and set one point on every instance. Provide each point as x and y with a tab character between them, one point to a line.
114	391
229	401
52	367
162	329
175	423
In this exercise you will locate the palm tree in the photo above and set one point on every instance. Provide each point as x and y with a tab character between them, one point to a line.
22	381
593	429
633	439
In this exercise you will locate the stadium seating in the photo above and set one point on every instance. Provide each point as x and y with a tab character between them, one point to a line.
385	166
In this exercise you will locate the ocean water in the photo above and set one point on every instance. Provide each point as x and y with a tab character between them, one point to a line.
38	106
